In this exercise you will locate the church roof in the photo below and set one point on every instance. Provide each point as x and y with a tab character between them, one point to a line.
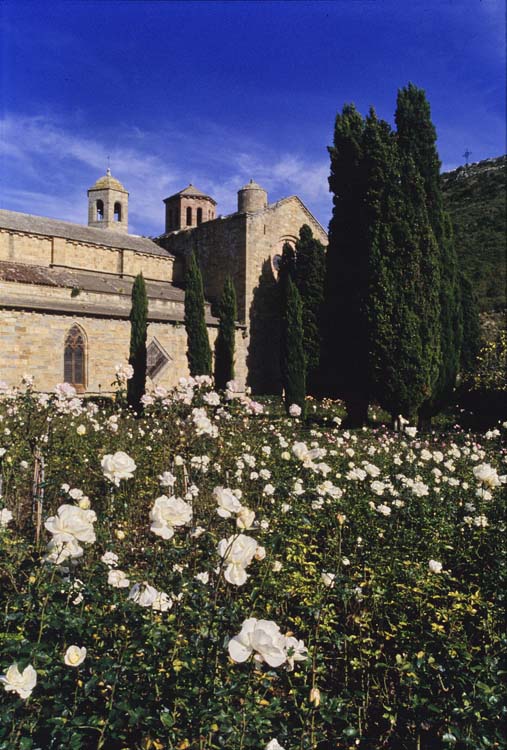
104	294
30	224
190	192
108	182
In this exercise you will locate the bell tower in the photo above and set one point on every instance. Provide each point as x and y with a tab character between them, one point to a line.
188	208
108	204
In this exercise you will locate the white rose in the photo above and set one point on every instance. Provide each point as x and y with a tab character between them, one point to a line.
74	656
328	579
294	410
167	479
260	552
268	643
295	651
18	682
118	579
274	745
435	566
5	518
261	636
143	594
59	551
110	559
487	475
202	577
245	518
72	523
81	429
118	466
227	502
237	552
162	602
168	512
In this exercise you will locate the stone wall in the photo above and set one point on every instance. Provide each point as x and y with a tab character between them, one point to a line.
266	232
220	247
33	343
243	246
35	249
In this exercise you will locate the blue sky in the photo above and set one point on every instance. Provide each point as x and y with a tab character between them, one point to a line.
216	93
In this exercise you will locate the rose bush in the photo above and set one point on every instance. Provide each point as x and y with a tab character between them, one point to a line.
348	594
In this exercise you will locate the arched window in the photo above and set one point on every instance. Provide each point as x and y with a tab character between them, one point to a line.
100	210
117	211
74	359
189	216
199	216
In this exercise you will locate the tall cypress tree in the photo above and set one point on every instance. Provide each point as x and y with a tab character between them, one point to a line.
401	368
292	356
198	348
138	332
309	277
225	342
417	140
345	328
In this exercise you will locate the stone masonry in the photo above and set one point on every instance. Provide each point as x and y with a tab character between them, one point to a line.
56	275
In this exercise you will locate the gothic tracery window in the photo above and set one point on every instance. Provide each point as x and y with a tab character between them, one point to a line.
74	360
156	359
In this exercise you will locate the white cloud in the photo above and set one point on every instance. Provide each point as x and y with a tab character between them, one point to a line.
47	167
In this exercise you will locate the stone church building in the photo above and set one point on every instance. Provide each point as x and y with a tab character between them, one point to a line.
65	288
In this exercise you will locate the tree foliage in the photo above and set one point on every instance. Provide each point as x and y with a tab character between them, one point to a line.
225	342
292	356
138	333
345	368
417	140
471	326
309	279
398	359
198	348
393	317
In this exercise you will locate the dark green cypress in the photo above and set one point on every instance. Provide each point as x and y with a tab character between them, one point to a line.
292	356
287	268
198	348
471	326
417	140
138	331
309	277
395	217
345	327
225	342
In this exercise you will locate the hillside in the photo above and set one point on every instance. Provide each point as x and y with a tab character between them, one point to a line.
475	196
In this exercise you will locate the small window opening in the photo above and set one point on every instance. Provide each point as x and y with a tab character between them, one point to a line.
156	359
117	211
74	360
189	217
100	210
199	216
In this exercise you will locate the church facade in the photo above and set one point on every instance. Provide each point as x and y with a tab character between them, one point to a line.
65	288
